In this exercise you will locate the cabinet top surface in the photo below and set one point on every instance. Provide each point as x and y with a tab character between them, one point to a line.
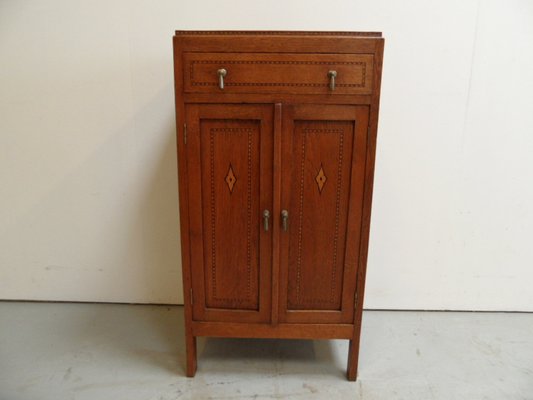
283	33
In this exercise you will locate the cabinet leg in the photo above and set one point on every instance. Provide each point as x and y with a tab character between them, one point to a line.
353	359
190	349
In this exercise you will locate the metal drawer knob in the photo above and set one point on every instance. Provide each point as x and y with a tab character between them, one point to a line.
221	74
266	217
332	75
285	220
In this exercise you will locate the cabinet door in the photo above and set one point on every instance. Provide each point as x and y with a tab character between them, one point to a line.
229	162
323	161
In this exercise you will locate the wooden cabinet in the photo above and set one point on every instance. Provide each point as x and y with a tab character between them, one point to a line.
276	141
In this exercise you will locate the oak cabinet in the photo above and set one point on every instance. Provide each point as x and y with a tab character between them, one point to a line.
276	143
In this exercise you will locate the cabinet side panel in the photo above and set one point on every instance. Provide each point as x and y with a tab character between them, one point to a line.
322	155
230	198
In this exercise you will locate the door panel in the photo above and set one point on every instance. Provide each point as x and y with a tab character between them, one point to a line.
322	189
229	158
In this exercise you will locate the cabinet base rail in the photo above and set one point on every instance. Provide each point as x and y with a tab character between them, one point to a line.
267	331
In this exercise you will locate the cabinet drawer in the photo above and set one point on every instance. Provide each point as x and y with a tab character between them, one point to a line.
278	73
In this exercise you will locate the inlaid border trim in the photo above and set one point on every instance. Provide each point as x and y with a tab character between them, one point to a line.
362	64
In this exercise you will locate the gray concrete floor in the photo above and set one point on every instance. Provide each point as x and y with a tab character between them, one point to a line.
101	351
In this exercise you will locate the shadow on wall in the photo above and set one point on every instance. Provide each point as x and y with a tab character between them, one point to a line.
159	207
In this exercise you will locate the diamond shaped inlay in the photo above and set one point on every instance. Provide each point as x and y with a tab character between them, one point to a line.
321	179
230	178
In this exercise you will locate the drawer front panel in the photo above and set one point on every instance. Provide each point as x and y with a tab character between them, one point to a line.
278	73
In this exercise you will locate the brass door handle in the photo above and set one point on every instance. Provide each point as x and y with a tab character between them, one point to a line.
221	74
266	217
332	75
285	220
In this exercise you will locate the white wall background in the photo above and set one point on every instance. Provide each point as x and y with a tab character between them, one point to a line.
88	198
